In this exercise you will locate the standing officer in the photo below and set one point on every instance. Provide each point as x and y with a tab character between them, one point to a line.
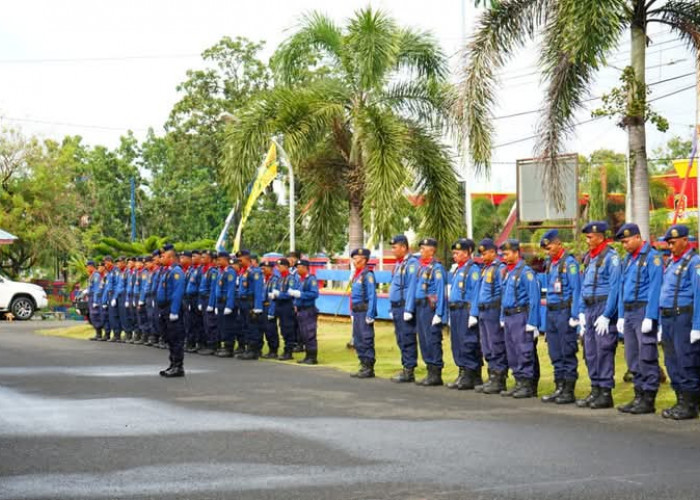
101	294
363	300
95	307
171	290
250	288
305	293
121	297
150	294
520	307
563	284
223	293
162	323
486	311
431	311
186	264
638	313
268	321
599	292
402	292
141	306
284	307
680	324
466	350
293	257
110	299
206	287
134	302
192	303
129	283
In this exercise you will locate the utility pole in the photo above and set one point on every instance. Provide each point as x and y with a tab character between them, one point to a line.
697	140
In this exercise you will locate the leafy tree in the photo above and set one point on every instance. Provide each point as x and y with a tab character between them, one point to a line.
362	134
675	148
576	36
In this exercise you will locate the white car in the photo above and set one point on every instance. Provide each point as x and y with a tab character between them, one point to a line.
21	299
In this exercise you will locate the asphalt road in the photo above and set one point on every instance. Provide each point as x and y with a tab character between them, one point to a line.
91	420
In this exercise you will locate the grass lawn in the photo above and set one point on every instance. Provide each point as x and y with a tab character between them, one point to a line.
334	333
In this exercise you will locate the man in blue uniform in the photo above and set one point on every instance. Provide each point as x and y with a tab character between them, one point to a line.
305	293
638	316
140	297
563	284
150	299
269	321
284	306
402	292
430	311
250	304
520	306
121	297
598	306
109	299
680	324
363	301
224	305
161	309
209	321
94	305
129	310
134	303
293	257
170	293
194	278
99	298
466	350
486	311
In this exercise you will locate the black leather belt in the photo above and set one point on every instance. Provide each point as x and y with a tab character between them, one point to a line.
460	305
512	311
589	301
633	306
490	305
560	306
304	308
398	303
669	312
358	308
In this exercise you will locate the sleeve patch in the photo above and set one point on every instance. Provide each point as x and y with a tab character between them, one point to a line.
438	275
615	261
230	278
176	276
529	276
475	275
370	278
256	276
412	268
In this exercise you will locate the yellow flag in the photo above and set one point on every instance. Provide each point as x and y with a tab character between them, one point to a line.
266	174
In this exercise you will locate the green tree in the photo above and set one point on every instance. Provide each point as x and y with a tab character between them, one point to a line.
576	38
363	133
675	148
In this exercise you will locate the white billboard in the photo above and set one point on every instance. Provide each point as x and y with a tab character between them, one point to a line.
534	202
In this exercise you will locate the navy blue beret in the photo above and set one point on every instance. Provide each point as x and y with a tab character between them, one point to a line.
399	239
676	231
597	226
510	244
627	230
363	252
463	244
223	254
428	242
548	237
486	244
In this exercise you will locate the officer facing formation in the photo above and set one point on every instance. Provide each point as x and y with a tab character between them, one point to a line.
363	300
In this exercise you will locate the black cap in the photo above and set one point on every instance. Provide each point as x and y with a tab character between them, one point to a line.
243	253
294	254
282	262
168	246
267	264
303	262
510	244
399	239
186	253
428	242
363	252
90	263
463	244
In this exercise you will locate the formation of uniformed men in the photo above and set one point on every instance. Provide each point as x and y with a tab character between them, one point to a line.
205	302
226	307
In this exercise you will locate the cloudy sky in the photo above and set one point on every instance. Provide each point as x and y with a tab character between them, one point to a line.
100	68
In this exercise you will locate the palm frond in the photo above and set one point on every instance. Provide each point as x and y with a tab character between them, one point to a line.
420	52
683	19
373	42
426	100
500	31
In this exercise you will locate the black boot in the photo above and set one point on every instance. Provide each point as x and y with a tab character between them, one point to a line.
586	402
98	335
366	369
286	355
434	377
225	350
162	344
558	389
105	337
175	371
458	380
471	379
191	347
647	404
206	350
116	337
689	409
626	408
496	384
526	389
163	372
480	387
567	395
239	350
150	341
404	376
129	338
138	338
680	401
508	393
252	354
271	354
310	359
604	400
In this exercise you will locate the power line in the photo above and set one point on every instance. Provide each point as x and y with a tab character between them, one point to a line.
76	125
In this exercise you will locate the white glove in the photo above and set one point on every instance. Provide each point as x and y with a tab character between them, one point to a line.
295	293
535	333
94	304
173	317
227	311
216	311
210	309
271	295
369	320
602	325
255	311
113	303
199	307
473	321
127	305
647	325
530	328
391	315
659	334
573	322
104	306
694	336
502	323
270	318
582	320
142	303
436	320
407	316
453	267
276	293
620	325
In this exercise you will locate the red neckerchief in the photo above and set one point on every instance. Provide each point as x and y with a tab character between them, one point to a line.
510	267
284	274
185	267
425	262
267	278
302	276
205	268
242	271
558	257
597	250
222	268
637	251
676	259
460	266
357	273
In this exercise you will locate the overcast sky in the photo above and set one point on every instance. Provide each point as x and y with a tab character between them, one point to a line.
99	68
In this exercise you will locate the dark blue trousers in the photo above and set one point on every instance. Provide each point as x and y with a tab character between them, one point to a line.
250	329
562	344
211	328
682	358
124	316
466	349
284	310
405	338
152	314
641	351
520	346
493	342
599	349
269	328
363	337
114	319
307	319
175	335
96	319
141	319
429	336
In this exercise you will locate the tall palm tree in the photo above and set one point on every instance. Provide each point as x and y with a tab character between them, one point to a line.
576	37
362	110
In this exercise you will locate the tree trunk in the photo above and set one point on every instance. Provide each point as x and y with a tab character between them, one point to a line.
639	176
355	229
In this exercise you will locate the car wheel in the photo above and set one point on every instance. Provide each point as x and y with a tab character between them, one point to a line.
22	308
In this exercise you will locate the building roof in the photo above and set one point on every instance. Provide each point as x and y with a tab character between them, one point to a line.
6	238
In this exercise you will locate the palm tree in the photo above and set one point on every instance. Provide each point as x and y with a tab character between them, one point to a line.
362	110
576	37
